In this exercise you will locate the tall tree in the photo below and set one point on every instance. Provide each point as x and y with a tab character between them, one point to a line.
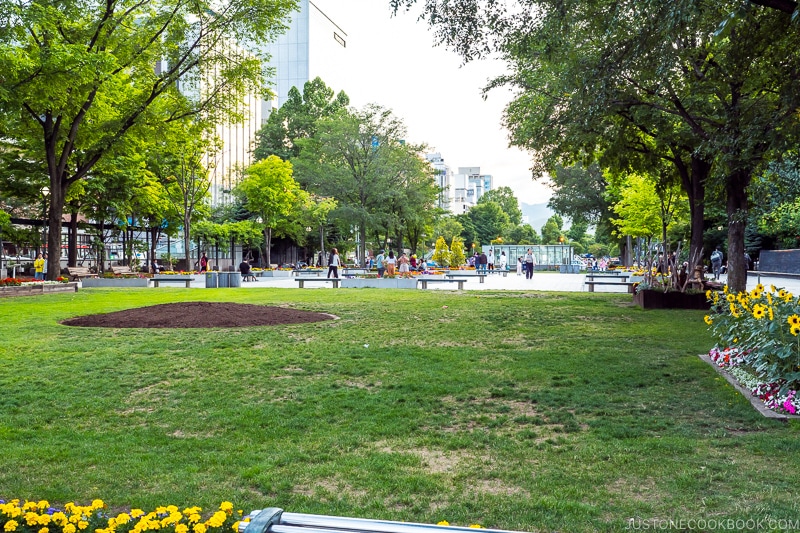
297	119
504	197
78	76
613	79
270	192
489	220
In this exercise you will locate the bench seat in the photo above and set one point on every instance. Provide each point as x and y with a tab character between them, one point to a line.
481	277
78	273
302	281
423	282
165	279
121	270
628	284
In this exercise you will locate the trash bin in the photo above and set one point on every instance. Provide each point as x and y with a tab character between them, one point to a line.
224	279
234	279
211	280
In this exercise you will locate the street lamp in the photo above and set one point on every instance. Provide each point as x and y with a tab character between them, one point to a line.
45	193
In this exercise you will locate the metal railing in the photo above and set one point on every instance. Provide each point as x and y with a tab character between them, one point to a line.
275	520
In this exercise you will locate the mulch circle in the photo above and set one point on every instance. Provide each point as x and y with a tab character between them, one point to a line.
199	315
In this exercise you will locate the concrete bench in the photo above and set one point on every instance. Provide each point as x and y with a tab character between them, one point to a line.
628	284
167	279
121	270
481	277
307	272
620	276
78	273
423	282
275	520
302	281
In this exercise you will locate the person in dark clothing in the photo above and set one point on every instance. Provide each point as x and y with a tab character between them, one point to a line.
244	268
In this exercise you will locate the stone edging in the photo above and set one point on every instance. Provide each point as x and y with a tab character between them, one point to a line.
756	402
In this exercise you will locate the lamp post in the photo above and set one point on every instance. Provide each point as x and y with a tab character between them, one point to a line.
45	193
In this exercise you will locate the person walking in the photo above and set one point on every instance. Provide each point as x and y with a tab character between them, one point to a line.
490	259
530	264
380	264
716	262
391	261
334	263
203	263
519	266
483	262
503	264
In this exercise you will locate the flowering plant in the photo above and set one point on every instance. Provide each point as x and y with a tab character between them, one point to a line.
10	282
40	517
760	333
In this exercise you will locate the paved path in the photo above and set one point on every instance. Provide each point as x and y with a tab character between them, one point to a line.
542	281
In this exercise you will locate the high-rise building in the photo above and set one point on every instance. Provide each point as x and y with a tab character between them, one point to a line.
443	175
312	46
469	186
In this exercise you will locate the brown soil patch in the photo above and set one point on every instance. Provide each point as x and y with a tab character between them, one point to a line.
199	315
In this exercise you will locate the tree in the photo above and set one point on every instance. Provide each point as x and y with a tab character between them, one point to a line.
441	254
270	192
457	257
551	231
79	77
600	81
297	119
522	234
504	197
579	193
360	159
489	221
448	227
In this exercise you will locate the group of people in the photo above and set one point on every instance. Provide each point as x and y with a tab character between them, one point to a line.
484	262
389	264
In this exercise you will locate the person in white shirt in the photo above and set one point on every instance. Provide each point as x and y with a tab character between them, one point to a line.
334	263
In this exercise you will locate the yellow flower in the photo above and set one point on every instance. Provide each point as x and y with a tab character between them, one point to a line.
782	293
44	519
794	330
70	528
708	294
11	525
759	311
199	528
794	320
136	513
60	519
731	298
708	320
43	504
44	530
181	528
194	518
31	518
227	507
83	524
443	523
771	313
235	525
769	298
476	526
725	289
98	504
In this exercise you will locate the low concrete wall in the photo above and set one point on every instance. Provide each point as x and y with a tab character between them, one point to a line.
779	261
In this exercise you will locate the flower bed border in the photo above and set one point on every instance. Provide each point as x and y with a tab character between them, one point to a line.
37	289
756	402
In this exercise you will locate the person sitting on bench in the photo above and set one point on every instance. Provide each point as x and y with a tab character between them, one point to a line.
244	268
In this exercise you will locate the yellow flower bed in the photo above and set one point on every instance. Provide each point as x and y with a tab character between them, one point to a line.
40	517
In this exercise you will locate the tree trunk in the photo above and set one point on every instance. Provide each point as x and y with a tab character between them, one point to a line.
268	245
72	239
54	216
187	243
736	189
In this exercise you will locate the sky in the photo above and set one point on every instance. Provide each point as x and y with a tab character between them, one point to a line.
392	61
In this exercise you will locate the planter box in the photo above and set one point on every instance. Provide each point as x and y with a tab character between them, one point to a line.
275	273
378	283
649	299
114	282
33	290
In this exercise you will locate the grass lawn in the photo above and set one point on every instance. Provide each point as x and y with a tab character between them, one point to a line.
523	411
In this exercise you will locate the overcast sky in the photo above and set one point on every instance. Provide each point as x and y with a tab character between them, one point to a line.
392	61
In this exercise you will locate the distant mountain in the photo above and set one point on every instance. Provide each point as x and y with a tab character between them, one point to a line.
537	214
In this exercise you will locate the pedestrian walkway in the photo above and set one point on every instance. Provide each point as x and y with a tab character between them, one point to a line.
542	281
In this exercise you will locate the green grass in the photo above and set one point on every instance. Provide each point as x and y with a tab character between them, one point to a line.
523	411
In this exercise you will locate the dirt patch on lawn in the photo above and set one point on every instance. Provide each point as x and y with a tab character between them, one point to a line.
199	315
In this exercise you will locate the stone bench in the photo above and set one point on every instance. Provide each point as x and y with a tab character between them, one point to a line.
423	282
167	279
481	277
595	276
302	281
629	284
78	273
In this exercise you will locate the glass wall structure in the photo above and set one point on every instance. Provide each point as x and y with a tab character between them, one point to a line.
548	256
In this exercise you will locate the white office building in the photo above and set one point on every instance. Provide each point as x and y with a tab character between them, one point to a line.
444	179
468	187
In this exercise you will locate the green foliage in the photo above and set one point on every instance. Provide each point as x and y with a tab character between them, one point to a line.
504	197
764	327
457	257
297	119
551	231
579	193
441	253
488	220
522	234
448	227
